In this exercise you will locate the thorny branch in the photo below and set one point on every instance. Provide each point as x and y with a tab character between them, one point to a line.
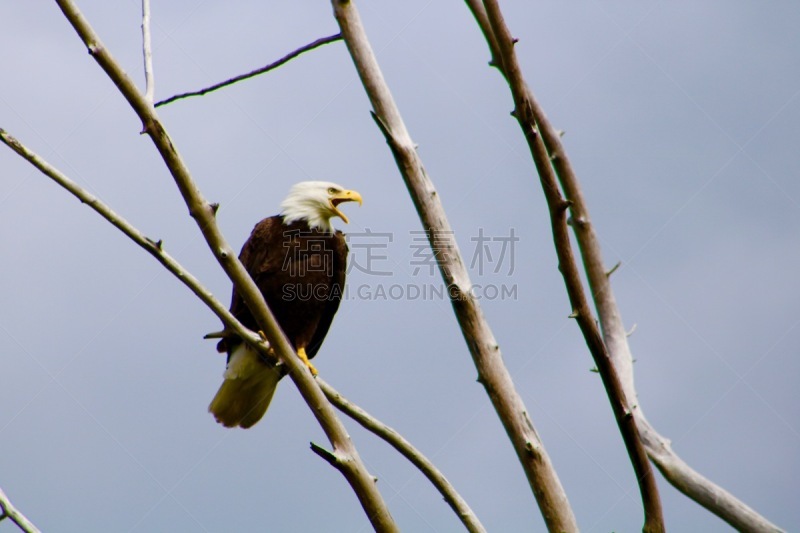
673	468
621	405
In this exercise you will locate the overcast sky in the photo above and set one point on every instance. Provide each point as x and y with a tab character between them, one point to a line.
681	121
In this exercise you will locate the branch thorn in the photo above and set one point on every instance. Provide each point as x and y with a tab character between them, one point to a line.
613	269
158	244
576	222
329	457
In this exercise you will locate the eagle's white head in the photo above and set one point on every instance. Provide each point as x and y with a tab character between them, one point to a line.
316	202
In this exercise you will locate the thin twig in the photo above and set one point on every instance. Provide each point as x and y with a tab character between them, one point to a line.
399	443
499	35
486	354
285	59
147	50
350	464
7	510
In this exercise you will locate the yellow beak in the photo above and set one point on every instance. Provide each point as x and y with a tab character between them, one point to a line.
341	197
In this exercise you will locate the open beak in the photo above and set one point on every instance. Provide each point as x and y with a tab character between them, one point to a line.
341	197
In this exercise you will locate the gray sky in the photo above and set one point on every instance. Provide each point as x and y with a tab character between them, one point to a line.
681	120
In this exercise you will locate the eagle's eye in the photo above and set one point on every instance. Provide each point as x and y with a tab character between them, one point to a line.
332	190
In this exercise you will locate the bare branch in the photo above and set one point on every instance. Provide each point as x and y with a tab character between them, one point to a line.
7	510
147	50
700	489
154	248
449	493
621	405
691	483
672	467
380	429
285	59
675	470
483	347
479	12
201	210
396	440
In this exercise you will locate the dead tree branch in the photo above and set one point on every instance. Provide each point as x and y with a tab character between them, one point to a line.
350	464
285	59
147	52
410	452
7	510
621	405
673	468
155	248
485	351
691	483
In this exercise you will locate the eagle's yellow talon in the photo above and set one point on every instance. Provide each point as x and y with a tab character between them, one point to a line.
302	354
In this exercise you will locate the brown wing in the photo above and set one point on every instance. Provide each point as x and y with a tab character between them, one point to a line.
261	254
335	293
301	273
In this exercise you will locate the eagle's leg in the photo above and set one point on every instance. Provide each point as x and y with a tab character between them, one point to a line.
270	349
301	352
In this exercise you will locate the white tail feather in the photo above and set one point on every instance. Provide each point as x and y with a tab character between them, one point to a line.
246	393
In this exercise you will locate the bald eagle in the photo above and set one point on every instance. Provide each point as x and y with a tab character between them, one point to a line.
298	261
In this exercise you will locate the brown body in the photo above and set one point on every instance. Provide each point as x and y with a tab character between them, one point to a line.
301	273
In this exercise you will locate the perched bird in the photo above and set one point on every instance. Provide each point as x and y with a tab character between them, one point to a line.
298	261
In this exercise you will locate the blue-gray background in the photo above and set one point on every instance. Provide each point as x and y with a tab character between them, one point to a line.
681	120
